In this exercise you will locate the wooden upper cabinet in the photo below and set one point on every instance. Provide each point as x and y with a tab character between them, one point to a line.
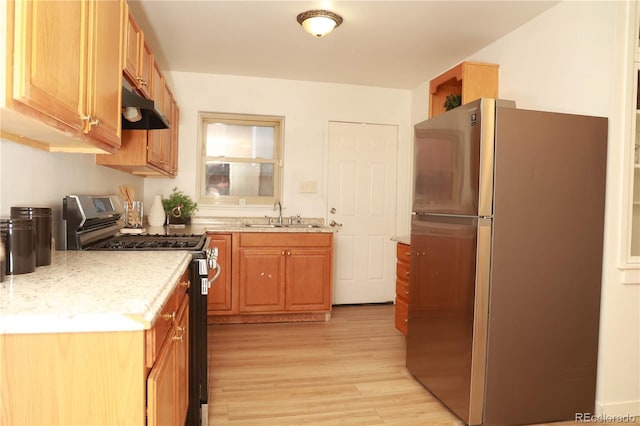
63	91
471	80
133	47
138	55
157	88
105	81
173	155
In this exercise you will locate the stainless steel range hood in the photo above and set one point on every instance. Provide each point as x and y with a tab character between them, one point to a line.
148	118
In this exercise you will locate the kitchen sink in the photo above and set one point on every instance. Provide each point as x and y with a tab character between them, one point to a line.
284	225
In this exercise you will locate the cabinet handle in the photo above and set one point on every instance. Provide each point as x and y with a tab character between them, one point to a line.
406	320
142	81
169	317
90	120
408	253
288	253
282	252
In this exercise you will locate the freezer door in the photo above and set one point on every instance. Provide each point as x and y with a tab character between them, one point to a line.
453	161
448	291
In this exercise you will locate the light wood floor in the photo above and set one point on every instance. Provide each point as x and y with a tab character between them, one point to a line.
349	371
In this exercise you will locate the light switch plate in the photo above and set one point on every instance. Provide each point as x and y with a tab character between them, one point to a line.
308	186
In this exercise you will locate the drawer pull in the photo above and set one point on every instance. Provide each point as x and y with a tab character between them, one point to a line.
169	317
180	336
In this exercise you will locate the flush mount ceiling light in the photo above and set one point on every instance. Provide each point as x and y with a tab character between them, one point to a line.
319	23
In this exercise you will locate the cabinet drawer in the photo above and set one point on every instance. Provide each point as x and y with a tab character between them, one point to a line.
402	271
285	239
403	252
401	317
156	336
402	290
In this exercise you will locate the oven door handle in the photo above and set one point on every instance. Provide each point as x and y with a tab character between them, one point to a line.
216	275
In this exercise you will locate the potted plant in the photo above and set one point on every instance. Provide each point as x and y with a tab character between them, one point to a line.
452	101
179	207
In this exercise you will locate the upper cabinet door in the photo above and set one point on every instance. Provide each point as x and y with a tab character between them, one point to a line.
105	71
133	45
50	44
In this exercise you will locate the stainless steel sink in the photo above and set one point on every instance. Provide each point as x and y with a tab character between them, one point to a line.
284	225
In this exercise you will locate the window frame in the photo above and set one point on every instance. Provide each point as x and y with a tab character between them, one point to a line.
277	122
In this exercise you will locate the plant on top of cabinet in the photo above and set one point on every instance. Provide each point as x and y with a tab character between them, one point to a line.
469	80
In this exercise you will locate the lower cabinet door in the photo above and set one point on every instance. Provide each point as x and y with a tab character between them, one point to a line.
262	280
182	362
308	272
161	388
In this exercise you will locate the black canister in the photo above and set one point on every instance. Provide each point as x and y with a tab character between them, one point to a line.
19	240
41	217
3	267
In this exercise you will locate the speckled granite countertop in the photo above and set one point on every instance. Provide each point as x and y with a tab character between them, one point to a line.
202	224
404	239
84	291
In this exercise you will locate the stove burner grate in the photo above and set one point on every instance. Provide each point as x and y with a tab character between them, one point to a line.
152	242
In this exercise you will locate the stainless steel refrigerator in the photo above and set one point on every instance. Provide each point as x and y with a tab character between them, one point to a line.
506	261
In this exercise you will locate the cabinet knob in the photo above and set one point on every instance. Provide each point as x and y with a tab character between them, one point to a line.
169	317
288	253
282	252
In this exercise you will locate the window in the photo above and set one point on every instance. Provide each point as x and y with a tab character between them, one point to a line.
240	159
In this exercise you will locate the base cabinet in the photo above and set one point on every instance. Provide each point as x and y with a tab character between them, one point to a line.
167	383
275	276
403	254
116	378
219	299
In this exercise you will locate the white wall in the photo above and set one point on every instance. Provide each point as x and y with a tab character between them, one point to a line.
307	107
571	59
33	178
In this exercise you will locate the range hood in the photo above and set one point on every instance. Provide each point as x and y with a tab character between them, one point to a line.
148	117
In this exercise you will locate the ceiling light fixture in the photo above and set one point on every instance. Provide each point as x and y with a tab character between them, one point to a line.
319	23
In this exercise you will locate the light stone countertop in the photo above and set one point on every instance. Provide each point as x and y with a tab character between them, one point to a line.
86	291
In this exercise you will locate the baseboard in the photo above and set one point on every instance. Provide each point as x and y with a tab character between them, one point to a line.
628	408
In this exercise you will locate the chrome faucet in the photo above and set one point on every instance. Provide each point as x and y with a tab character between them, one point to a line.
278	206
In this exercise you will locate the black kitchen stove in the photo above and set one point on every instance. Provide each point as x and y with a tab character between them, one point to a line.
94	223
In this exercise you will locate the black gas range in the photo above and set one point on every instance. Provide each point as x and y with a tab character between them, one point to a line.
94	223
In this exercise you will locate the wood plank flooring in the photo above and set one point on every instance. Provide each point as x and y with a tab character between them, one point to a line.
349	371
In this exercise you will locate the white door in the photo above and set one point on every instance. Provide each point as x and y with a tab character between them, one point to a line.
362	203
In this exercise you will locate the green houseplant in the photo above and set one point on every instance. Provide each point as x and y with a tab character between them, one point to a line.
452	101
179	207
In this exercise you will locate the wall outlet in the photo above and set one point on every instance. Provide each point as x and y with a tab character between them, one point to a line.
308	186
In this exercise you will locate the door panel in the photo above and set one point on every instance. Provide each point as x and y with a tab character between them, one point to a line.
262	280
447	158
362	190
441	307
